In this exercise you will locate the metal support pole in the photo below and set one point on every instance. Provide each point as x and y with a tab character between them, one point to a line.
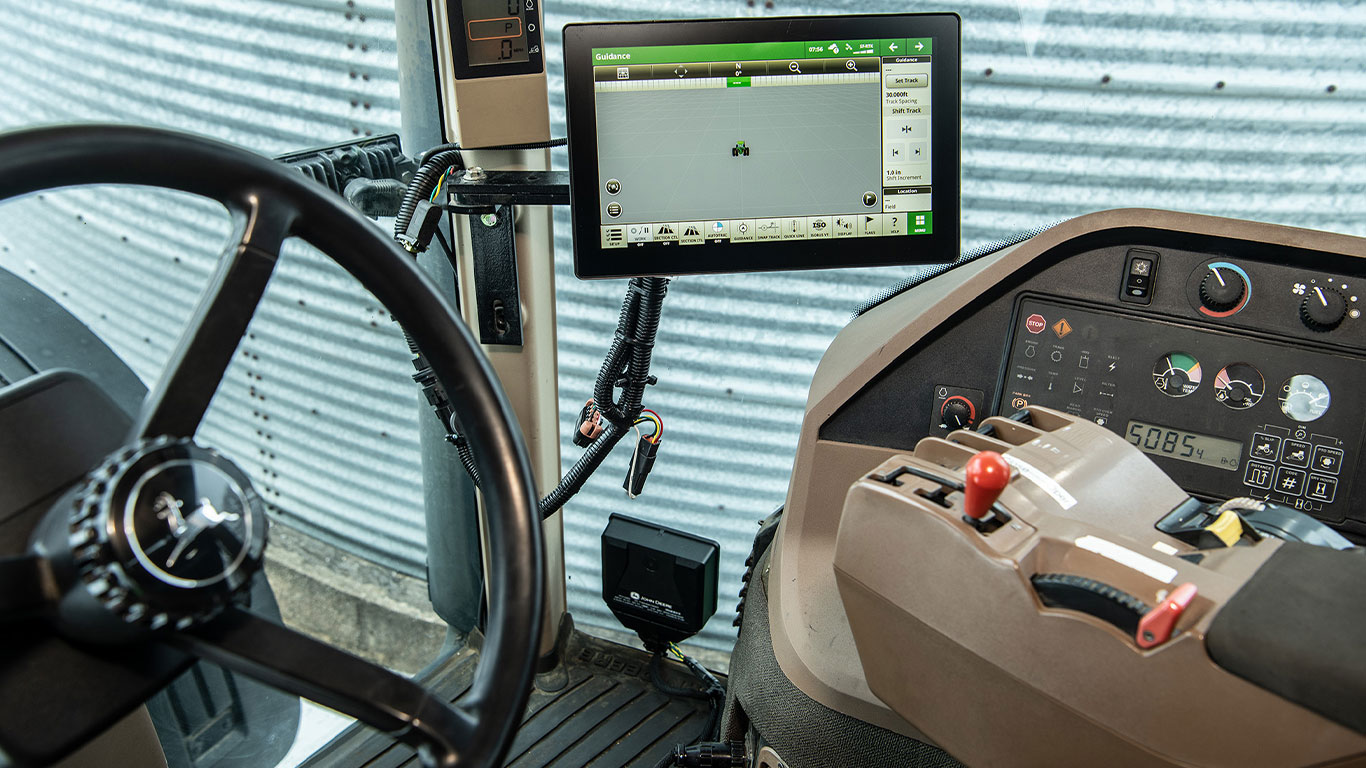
454	572
527	372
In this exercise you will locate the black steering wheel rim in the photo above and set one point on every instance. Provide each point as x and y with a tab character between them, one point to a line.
269	203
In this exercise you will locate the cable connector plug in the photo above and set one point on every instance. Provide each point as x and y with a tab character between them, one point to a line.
421	228
714	687
712	754
588	426
642	461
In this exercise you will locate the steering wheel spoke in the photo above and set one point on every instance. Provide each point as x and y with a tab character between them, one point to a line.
176	405
294	662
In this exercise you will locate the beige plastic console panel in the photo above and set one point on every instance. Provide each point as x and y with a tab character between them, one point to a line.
811	636
953	637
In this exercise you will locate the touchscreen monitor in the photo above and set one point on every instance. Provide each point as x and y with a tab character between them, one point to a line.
759	144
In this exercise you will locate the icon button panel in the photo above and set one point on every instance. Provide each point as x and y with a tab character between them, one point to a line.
1321	488
894	223
691	232
820	227
614	237
1289	481
1265	446
871	224
782	228
1327	459
666	232
1258	474
639	233
768	229
1295	453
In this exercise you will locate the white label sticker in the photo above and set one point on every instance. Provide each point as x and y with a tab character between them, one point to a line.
1124	556
1044	481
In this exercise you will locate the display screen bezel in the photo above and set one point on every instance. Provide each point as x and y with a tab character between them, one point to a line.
460	59
592	260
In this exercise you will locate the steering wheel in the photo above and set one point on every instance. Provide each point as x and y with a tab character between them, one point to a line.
154	551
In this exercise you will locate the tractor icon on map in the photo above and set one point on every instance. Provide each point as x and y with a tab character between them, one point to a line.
739	149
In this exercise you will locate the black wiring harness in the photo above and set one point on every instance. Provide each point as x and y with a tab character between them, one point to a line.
704	751
626	367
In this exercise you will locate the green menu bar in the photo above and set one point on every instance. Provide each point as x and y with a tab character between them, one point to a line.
665	54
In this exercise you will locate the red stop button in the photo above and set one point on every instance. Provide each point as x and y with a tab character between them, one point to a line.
1035	324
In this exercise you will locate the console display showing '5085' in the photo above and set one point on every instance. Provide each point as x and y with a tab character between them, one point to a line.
1222	413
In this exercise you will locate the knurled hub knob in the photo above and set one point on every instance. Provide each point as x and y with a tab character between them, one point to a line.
1222	289
166	533
1323	309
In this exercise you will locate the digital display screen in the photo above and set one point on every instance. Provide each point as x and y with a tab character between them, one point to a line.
764	141
1187	446
730	146
495	31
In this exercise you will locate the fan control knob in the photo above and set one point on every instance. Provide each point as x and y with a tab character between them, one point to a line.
1323	309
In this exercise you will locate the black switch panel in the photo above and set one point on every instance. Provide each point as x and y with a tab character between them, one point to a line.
1140	272
1211	407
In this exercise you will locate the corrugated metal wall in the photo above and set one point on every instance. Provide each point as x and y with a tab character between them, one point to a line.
1068	107
1247	109
318	406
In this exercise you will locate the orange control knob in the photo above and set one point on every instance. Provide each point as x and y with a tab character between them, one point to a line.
987	475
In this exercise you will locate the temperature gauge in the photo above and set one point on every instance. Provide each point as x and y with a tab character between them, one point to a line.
1177	374
1239	386
1304	397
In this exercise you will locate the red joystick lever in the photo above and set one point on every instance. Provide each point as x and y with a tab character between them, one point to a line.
1155	628
987	475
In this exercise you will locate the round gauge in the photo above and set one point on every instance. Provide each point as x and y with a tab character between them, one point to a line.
1304	397
1239	386
1177	374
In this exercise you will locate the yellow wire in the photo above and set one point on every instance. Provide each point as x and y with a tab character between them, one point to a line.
439	182
659	425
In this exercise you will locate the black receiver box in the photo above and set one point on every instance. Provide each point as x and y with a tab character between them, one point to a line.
659	582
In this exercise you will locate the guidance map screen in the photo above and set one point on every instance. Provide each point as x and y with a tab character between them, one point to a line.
751	142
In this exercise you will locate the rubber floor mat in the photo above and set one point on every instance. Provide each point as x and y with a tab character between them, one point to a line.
597	709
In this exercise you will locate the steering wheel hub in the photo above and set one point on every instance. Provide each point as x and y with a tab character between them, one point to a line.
167	533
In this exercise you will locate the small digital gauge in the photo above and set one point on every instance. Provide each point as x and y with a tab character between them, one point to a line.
1304	398
1177	374
495	32
1239	386
1194	447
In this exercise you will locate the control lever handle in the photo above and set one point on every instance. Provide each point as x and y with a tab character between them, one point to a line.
987	474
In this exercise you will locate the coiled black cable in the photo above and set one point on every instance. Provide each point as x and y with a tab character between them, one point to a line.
424	180
637	327
714	695
627	364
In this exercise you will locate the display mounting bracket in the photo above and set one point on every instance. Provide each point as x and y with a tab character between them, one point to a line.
487	197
